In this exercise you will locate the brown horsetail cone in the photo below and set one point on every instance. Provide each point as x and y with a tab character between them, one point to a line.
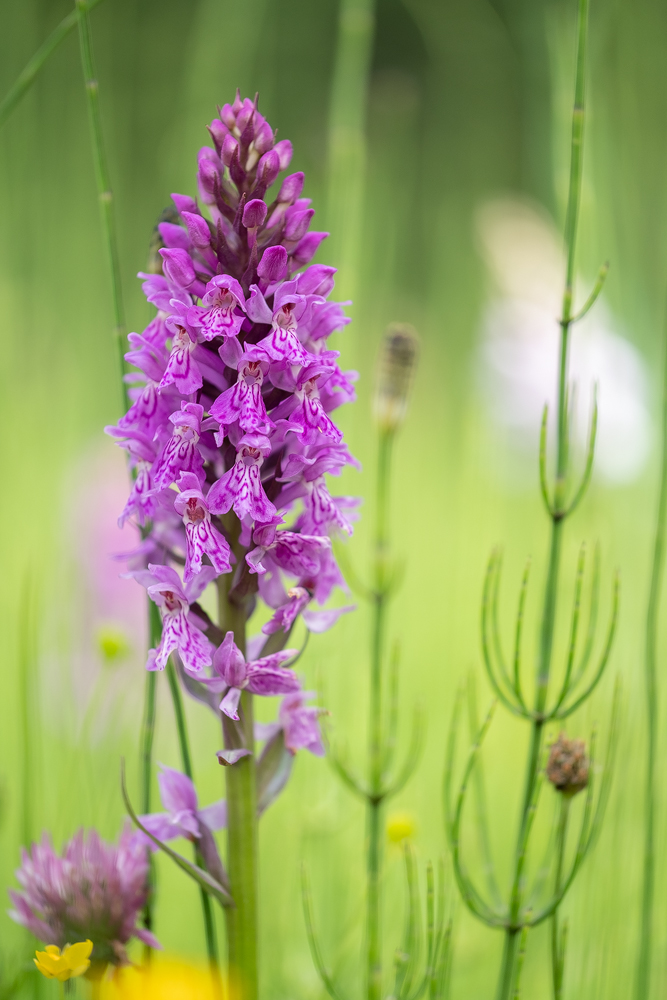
395	370
567	767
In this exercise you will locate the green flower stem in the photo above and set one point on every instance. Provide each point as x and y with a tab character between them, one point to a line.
557	957
558	512
147	736
643	985
29	74
241	793
104	192
375	726
207	911
347	135
242	923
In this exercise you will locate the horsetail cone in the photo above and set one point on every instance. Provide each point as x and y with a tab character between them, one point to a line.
568	765
395	371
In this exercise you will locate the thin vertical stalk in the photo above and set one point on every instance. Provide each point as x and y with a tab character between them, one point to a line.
32	68
558	514
557	958
375	725
643	985
104	191
241	793
146	743
207	910
347	135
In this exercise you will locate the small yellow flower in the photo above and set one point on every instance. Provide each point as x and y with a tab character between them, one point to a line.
73	961
400	826
163	979
112	644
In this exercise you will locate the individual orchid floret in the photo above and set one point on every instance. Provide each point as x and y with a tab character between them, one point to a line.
180	454
282	344
241	487
183	817
300	723
243	402
202	538
322	512
92	891
297	554
182	370
263	677
309	420
222	310
179	632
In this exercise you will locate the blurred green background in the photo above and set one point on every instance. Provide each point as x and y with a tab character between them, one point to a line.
468	100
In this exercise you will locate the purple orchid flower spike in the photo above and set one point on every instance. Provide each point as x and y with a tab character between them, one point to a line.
179	632
202	538
263	677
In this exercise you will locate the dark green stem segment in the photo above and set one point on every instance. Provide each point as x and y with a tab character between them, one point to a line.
557	952
643	984
104	192
375	726
186	759
240	779
558	512
147	736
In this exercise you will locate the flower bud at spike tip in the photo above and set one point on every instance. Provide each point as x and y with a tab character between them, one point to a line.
284	151
177	267
273	265
254	213
291	188
395	370
198	230
567	767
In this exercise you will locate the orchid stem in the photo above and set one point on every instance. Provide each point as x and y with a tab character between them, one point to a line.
240	778
558	511
643	987
207	910
147	736
104	191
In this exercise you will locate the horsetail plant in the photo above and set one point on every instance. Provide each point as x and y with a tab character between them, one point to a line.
522	910
382	780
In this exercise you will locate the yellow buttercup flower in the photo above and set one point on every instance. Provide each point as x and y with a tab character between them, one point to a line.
73	961
400	826
163	979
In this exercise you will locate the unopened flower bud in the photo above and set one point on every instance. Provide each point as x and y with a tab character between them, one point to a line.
395	370
284	151
268	168
273	265
218	133
296	226
263	138
254	213
291	188
306	248
177	267
198	230
567	767
229	147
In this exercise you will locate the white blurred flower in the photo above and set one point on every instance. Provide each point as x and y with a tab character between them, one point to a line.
519	349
